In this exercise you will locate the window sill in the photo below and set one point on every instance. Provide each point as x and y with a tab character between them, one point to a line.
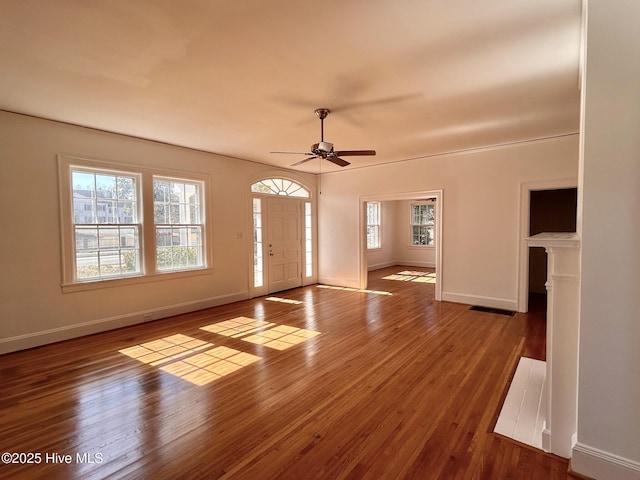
123	282
420	247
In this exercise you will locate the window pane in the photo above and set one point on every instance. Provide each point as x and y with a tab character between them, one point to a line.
130	261
86	239
160	212
126	188
160	191
87	265
126	211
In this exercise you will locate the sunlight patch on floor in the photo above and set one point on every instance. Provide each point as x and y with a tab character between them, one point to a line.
281	337
190	359
413	276
349	289
237	327
162	350
210	365
284	300
259	332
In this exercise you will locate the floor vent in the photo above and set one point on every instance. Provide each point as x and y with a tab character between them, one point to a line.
497	311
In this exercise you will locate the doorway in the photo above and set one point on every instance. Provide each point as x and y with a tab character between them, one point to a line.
549	211
434	196
548	206
284	246
284	237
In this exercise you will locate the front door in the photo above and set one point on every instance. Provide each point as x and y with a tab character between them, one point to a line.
284	243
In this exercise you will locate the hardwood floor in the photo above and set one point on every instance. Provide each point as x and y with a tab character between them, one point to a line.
361	385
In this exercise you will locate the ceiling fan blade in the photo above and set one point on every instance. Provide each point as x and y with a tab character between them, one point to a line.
338	161
295	153
352	153
304	161
374	102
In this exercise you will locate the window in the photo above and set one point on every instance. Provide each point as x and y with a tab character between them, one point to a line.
106	230
104	236
280	186
258	261
373	225
422	224
178	222
308	240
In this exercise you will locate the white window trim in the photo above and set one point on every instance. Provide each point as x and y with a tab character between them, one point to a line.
147	241
410	245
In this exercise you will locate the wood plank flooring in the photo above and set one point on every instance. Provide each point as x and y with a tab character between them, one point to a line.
343	385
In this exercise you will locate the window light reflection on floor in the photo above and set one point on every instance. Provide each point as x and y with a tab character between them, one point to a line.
210	365
259	332
284	300
190	359
237	327
162	350
281	337
349	289
411	276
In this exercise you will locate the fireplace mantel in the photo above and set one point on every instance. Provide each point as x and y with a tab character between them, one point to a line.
563	297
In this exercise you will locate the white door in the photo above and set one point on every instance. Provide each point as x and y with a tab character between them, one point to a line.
284	244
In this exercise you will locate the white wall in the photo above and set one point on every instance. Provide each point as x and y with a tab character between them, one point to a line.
33	309
481	195
609	360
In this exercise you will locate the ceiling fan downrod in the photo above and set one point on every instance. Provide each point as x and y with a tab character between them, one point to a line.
322	113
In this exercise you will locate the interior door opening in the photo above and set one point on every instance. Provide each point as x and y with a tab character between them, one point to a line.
549	211
400	205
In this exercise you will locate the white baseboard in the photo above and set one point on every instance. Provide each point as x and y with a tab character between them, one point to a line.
417	264
378	266
598	464
36	339
491	302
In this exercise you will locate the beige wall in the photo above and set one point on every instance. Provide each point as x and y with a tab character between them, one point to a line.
33	310
481	213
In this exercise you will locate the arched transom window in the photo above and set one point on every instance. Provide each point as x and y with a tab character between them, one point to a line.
280	186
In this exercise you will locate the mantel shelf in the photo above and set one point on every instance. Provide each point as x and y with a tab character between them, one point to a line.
554	239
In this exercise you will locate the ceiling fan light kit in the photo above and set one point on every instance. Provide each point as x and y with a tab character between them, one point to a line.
324	150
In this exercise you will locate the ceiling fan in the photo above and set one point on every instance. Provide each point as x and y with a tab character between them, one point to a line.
325	150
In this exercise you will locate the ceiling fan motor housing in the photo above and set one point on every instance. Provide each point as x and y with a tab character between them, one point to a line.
322	147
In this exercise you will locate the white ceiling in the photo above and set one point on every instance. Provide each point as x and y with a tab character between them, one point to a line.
408	78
